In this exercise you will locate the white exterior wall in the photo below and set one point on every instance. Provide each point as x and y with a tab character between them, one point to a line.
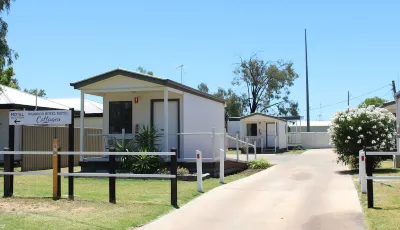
262	130
282	132
197	114
233	128
201	115
141	111
315	140
90	122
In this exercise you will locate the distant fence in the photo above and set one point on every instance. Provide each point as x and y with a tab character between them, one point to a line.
311	140
37	138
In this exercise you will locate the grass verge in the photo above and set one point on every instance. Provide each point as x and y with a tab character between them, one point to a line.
386	212
138	202
295	151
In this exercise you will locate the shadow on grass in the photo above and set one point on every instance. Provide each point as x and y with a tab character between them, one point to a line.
376	171
347	172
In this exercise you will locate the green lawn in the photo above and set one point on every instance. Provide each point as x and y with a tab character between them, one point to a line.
138	202
386	214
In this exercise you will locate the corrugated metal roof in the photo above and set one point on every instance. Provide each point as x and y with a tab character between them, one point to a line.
312	123
90	106
145	77
10	96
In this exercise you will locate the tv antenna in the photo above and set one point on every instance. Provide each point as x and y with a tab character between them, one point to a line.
181	66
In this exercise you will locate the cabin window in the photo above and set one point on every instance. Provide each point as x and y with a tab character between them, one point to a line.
120	117
252	129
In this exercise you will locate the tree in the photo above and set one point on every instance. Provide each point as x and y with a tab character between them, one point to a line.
41	92
143	70
203	87
267	82
356	128
375	101
234	102
6	53
7	78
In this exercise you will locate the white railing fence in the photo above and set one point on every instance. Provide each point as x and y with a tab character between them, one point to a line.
243	144
366	173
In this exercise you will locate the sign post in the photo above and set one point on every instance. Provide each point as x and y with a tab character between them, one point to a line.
43	117
56	182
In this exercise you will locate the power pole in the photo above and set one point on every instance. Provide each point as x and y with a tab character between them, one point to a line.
393	88
348	98
307	96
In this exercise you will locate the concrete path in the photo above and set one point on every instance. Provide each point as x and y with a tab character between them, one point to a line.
304	192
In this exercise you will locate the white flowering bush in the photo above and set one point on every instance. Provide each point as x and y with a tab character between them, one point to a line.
355	128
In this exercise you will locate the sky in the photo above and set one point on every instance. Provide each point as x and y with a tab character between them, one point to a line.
352	45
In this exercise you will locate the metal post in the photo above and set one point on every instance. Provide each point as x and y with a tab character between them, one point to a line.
71	142
221	166
262	144
255	149
225	147
362	172
276	128
237	147
111	180
174	181
213	142
199	167
7	168
247	149
82	126
166	132
370	185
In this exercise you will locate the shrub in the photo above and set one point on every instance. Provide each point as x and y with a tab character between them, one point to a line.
243	149
146	164
145	141
182	171
259	164
355	128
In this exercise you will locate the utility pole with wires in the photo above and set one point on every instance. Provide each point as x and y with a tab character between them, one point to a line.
348	98
393	88
181	66
307	93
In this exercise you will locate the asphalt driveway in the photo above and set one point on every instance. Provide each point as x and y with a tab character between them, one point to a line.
301	192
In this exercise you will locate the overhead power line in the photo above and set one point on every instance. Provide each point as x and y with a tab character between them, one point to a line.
339	102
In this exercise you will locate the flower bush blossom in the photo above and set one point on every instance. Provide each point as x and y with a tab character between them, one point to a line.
355	128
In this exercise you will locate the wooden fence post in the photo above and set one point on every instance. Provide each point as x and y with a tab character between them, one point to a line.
174	181
111	180
56	170
370	185
7	168
71	157
11	146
